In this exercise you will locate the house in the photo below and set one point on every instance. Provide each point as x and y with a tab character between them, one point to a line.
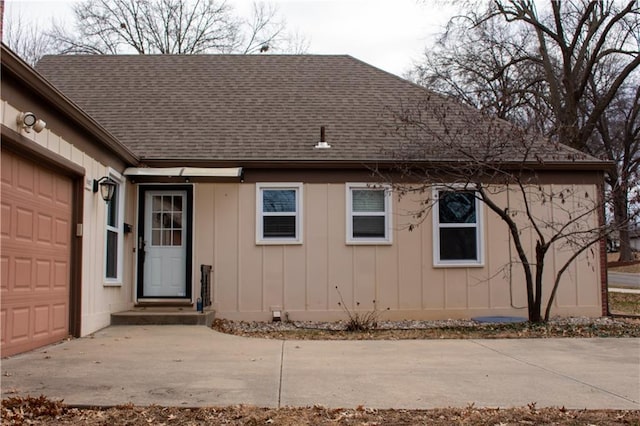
259	166
635	239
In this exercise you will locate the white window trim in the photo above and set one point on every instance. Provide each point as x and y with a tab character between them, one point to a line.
259	214
119	229
388	222
479	225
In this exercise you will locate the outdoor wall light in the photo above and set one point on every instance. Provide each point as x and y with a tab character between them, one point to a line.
28	121
107	187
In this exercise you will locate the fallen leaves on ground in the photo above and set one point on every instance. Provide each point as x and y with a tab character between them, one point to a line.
587	328
42	411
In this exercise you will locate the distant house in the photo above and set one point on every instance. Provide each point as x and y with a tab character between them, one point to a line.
634	235
259	166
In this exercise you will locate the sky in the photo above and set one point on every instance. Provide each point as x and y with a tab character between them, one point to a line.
389	34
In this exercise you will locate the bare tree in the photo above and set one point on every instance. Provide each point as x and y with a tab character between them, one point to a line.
168	27
483	157
618	139
572	39
25	37
482	65
562	68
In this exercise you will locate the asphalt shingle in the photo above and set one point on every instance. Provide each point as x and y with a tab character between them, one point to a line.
249	107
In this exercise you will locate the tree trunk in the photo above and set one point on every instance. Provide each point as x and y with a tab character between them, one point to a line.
535	312
621	218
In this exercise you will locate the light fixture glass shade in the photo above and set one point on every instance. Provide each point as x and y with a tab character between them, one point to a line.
107	188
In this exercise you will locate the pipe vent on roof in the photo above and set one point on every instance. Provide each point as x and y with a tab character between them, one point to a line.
323	143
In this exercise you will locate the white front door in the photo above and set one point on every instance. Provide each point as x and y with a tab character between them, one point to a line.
165	244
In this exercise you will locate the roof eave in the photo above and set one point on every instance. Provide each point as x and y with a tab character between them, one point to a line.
384	163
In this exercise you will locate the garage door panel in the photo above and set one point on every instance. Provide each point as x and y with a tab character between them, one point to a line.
23	276
36	255
45	228
60	319
24	224
4	273
5	215
44	271
25	173
7	169
62	232
61	274
63	193
41	320
19	323
46	186
3	325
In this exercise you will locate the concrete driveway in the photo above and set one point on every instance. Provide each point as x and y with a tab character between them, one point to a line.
196	366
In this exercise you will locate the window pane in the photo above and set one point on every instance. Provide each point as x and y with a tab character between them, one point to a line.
112	255
177	221
156	222
457	207
278	200
177	203
157	203
155	238
166	238
368	227
112	209
177	238
279	226
368	200
458	244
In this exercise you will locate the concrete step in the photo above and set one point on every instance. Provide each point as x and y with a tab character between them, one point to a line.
162	316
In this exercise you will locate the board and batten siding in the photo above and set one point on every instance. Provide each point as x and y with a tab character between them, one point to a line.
249	279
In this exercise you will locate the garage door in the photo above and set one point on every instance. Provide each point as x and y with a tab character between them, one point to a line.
36	253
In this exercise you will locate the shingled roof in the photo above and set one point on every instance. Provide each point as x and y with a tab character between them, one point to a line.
238	108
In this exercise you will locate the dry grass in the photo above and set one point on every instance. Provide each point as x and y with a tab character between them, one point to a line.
624	303
41	411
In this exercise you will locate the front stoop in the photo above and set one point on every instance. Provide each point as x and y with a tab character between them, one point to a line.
162	316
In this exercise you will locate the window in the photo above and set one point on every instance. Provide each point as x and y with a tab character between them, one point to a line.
457	229
166	220
113	236
279	213
368	214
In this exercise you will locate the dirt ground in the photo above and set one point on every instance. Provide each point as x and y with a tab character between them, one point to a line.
41	411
